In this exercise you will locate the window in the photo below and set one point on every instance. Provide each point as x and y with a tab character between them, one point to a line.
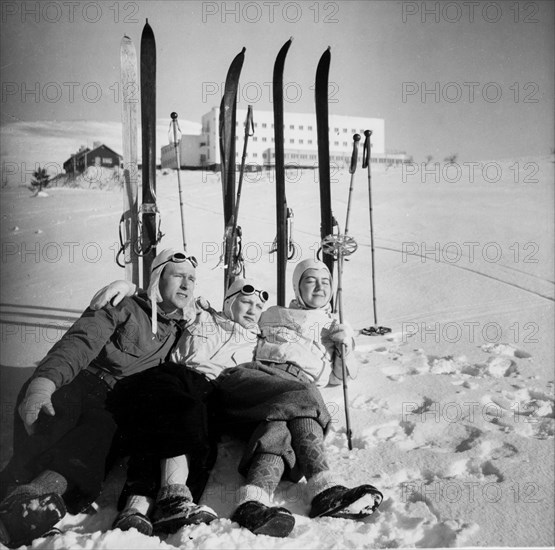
336	130
345	144
310	142
336	143
291	141
264	139
264	125
310	128
255	138
255	155
344	130
106	160
301	127
301	141
291	126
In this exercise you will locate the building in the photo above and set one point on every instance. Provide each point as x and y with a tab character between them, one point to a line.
300	147
99	155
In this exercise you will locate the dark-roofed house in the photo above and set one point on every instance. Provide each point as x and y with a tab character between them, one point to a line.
99	155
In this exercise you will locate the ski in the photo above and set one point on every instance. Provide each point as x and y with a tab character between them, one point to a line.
228	112
129	105
150	234
322	129
282	212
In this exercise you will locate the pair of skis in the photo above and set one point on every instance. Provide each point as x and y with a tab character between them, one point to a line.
231	254
141	224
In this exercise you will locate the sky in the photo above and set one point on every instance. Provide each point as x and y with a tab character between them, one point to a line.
474	79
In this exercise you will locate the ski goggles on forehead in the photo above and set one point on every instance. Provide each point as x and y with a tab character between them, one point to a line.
179	258
249	290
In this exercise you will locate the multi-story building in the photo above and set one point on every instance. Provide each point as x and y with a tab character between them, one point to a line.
300	142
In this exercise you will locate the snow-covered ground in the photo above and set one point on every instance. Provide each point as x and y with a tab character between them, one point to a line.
452	412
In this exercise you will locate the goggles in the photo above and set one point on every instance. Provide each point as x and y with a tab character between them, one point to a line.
249	290
179	258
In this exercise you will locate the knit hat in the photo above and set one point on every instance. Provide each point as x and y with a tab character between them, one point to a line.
233	292
153	290
298	273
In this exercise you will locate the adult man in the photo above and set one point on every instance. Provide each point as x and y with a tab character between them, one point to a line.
64	431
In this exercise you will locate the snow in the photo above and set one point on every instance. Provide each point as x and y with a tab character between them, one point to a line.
452	413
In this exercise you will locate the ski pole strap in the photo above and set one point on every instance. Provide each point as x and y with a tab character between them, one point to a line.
121	243
354	155
290	243
366	152
249	124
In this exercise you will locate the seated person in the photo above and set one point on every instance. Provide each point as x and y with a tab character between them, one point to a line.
303	343
63	432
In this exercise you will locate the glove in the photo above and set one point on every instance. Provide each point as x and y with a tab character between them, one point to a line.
113	294
342	334
203	303
38	397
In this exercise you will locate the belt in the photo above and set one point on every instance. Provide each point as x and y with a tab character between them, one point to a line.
109	379
296	371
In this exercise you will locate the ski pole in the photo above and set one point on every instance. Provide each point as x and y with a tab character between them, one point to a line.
352	170
343	353
175	131
249	131
376	329
339	246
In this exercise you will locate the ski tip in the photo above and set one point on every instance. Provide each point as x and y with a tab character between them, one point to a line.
356	137
329	49
290	39
244	49
367	133
173	115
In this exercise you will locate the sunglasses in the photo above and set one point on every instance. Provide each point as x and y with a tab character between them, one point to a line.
179	258
249	290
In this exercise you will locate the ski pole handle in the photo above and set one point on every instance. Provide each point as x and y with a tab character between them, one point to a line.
176	130
354	155
366	152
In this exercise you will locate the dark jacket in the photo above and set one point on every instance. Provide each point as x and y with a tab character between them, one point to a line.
117	339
